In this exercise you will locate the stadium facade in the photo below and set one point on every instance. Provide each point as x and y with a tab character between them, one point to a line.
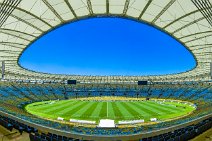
23	22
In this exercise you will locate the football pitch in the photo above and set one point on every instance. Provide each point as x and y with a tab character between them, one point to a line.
116	110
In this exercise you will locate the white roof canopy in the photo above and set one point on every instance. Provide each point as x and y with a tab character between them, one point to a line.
30	19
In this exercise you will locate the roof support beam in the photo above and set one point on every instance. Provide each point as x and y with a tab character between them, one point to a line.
198	33
126	6
201	48
28	23
145	8
71	8
200	45
9	56
16	31
198	38
10	60
6	9
53	10
17	36
203	7
14	45
178	19
34	16
190	23
107	7
10	51
203	53
163	10
208	11
90	7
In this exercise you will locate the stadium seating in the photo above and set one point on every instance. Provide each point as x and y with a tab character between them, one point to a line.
15	96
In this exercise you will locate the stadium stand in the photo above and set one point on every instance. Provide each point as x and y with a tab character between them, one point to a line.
22	22
13	114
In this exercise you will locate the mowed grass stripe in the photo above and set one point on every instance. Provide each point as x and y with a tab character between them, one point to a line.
48	106
96	112
58	113
90	110
172	106
111	113
126	114
70	111
131	110
140	106
117	112
165	108
151	108
61	107
67	108
142	112
156	109
82	110
103	111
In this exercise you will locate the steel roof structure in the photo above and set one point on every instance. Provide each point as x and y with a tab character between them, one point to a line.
24	21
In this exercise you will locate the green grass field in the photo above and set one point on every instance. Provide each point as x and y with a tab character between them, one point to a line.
116	110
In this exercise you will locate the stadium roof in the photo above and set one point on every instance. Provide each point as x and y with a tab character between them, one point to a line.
24	21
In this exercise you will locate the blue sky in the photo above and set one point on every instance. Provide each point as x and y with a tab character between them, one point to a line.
107	46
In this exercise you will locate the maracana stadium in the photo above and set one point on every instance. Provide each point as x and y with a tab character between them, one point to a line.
42	106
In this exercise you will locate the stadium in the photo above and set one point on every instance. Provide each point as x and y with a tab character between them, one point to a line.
44	106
